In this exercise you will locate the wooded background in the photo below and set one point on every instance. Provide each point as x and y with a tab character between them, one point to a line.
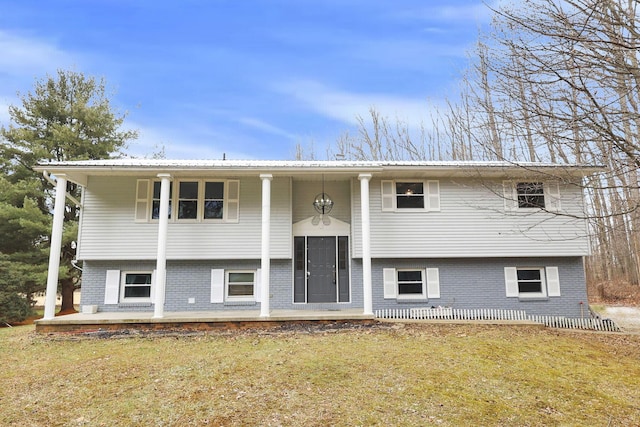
552	81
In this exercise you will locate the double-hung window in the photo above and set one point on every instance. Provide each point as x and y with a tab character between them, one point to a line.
240	285
188	199
532	282
213	200
409	195
528	196
136	287
402	195
155	200
411	283
235	286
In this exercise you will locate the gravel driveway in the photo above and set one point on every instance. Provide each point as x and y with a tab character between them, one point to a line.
627	318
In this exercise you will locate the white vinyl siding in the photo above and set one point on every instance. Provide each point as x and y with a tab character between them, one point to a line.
110	231
472	222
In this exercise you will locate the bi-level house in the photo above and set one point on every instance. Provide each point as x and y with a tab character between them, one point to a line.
177	236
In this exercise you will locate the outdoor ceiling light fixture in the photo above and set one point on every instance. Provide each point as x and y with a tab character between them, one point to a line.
323	203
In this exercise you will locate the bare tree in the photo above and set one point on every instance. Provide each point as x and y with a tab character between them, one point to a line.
563	78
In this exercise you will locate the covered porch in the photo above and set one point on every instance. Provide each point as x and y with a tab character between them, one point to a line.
195	320
157	298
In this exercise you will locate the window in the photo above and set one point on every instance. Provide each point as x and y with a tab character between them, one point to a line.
410	195
411	284
188	200
195	201
136	287
213	200
155	204
530	195
240	285
532	282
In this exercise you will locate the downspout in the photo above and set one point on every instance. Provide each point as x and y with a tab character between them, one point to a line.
47	176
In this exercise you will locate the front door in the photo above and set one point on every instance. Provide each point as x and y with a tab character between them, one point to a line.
321	269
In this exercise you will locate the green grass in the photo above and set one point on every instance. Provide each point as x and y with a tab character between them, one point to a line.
446	375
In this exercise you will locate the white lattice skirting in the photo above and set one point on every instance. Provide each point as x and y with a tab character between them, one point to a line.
439	313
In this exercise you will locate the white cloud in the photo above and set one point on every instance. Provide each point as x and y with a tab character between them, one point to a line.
28	56
266	127
347	106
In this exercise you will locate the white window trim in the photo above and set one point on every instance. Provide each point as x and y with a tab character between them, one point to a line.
547	275
123	276
244	298
175	198
431	195
420	296
430	284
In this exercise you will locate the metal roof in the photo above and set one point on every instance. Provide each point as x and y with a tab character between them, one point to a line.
78	171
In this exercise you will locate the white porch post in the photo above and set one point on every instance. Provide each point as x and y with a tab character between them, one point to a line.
161	258
366	244
265	262
56	247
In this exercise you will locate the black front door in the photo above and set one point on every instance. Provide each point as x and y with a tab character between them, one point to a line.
321	269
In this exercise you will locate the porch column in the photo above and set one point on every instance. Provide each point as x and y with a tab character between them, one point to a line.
161	258
366	243
265	263
55	247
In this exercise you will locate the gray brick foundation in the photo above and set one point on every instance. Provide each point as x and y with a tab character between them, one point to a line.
464	283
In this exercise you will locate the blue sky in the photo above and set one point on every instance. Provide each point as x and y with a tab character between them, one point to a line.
247	78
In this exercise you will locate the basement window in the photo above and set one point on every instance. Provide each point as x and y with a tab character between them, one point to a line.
136	286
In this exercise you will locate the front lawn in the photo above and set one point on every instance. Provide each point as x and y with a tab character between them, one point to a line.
414	374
